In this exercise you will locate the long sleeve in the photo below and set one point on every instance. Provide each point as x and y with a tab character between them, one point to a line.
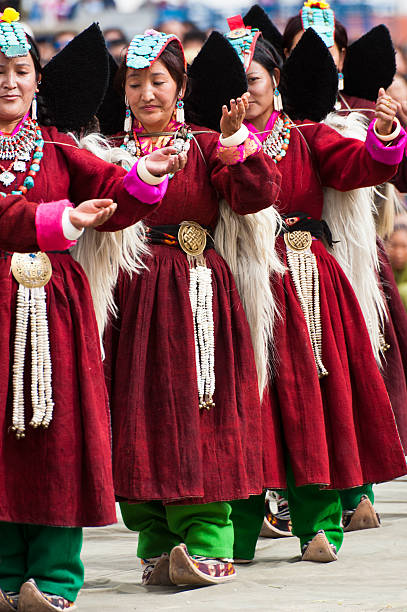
348	163
249	185
91	177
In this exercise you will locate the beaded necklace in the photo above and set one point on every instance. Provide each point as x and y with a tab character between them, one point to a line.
276	143
28	138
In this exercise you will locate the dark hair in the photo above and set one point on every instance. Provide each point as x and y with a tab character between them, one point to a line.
267	55
193	35
35	54
172	58
294	25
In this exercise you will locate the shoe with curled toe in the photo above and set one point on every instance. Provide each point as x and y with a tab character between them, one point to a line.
363	517
319	549
186	569
31	599
8	601
156	571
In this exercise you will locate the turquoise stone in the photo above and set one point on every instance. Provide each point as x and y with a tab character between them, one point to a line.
35	167
29	182
38	155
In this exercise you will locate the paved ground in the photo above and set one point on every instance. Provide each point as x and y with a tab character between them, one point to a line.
370	576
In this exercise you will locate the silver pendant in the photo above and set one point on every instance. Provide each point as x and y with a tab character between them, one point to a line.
24	156
19	165
7	178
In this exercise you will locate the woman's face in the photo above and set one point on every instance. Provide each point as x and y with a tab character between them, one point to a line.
338	54
18	84
397	249
152	94
261	90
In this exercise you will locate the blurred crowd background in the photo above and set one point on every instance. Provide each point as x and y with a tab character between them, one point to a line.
55	22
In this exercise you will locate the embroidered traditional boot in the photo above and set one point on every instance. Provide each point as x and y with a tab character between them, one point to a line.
8	601
197	570
33	600
364	517
276	524
157	571
319	549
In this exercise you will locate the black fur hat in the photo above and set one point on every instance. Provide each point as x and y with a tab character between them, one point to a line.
309	81
215	77
74	82
370	63
258	18
112	110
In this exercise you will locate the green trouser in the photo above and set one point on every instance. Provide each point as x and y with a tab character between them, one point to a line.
312	509
50	555
350	498
247	518
206	529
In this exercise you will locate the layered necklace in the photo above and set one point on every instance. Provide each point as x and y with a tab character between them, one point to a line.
276	143
18	148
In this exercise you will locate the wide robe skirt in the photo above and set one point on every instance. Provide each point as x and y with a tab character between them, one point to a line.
164	446
60	476
339	431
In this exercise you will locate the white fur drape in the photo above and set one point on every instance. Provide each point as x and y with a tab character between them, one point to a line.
103	254
247	243
350	216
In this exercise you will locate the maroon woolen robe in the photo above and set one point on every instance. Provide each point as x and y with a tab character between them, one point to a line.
164	446
339	431
60	476
395	330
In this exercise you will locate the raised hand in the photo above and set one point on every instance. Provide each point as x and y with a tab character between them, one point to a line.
92	213
386	110
166	160
231	121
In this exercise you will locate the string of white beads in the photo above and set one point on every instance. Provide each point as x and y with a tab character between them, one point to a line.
31	305
304	271
201	295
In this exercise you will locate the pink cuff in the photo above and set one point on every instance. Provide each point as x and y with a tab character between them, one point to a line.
149	194
390	155
237	154
48	223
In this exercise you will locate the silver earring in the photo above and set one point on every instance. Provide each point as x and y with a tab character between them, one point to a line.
34	108
277	101
180	115
127	119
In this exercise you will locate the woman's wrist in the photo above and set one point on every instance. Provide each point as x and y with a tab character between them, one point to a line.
388	137
235	139
146	176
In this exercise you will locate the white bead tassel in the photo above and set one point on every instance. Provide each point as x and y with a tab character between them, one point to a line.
32	302
304	271
22	315
200	293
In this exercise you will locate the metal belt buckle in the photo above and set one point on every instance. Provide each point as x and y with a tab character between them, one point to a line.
31	270
298	241
192	238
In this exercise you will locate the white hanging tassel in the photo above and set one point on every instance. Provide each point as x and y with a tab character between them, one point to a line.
180	115
200	294
277	101
31	305
128	121
340	81
34	108
304	272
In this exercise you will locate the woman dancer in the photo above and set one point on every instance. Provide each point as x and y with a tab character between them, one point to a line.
184	395
331	397
55	453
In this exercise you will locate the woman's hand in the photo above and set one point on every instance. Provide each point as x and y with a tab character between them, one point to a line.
231	121
92	213
165	161
386	110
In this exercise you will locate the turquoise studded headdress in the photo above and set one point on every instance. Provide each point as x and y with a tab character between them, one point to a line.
146	48
13	39
243	39
319	16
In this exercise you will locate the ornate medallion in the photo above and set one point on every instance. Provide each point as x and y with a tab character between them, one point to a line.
7	178
31	269
298	240
192	238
